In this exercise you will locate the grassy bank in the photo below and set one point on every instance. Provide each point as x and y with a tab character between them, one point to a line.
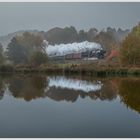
67	69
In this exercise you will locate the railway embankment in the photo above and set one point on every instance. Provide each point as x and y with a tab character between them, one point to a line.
71	69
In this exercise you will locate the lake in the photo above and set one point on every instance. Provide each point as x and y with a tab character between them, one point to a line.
69	106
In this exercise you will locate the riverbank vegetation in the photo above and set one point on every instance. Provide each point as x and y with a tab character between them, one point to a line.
26	54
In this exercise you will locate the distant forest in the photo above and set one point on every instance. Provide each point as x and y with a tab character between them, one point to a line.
25	47
107	38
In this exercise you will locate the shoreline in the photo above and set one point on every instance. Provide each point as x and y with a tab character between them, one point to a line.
88	71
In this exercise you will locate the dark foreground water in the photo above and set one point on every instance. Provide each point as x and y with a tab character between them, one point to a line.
57	106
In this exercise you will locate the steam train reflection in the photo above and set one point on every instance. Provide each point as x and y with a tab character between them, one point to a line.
62	82
59	88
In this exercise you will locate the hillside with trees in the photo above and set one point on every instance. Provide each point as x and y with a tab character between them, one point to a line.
26	48
5	40
107	38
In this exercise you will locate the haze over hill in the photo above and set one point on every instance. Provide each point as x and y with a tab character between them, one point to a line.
104	23
70	34
5	40
44	16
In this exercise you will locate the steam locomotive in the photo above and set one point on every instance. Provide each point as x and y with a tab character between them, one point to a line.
99	54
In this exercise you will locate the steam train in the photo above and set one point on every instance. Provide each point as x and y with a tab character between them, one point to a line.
99	54
74	51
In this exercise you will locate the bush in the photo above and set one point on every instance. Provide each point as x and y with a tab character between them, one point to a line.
39	58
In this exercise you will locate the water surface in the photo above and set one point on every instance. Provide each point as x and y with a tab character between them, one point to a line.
60	106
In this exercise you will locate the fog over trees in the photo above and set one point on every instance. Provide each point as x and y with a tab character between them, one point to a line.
26	47
106	37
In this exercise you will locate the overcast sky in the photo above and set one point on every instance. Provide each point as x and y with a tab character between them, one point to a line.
43	16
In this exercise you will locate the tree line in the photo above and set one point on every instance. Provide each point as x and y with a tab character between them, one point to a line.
28	48
107	38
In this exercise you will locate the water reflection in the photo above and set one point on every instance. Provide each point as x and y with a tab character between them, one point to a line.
2	88
77	85
56	88
60	88
129	91
70	89
28	88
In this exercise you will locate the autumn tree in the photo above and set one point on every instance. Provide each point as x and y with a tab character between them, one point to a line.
136	30
130	50
31	42
21	49
106	39
126	88
39	58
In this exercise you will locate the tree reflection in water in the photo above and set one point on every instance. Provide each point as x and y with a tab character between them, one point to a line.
129	91
28	88
40	86
2	87
59	88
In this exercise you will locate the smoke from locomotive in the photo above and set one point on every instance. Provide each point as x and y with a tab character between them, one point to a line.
75	50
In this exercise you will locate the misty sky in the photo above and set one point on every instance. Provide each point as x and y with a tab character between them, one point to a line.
43	16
